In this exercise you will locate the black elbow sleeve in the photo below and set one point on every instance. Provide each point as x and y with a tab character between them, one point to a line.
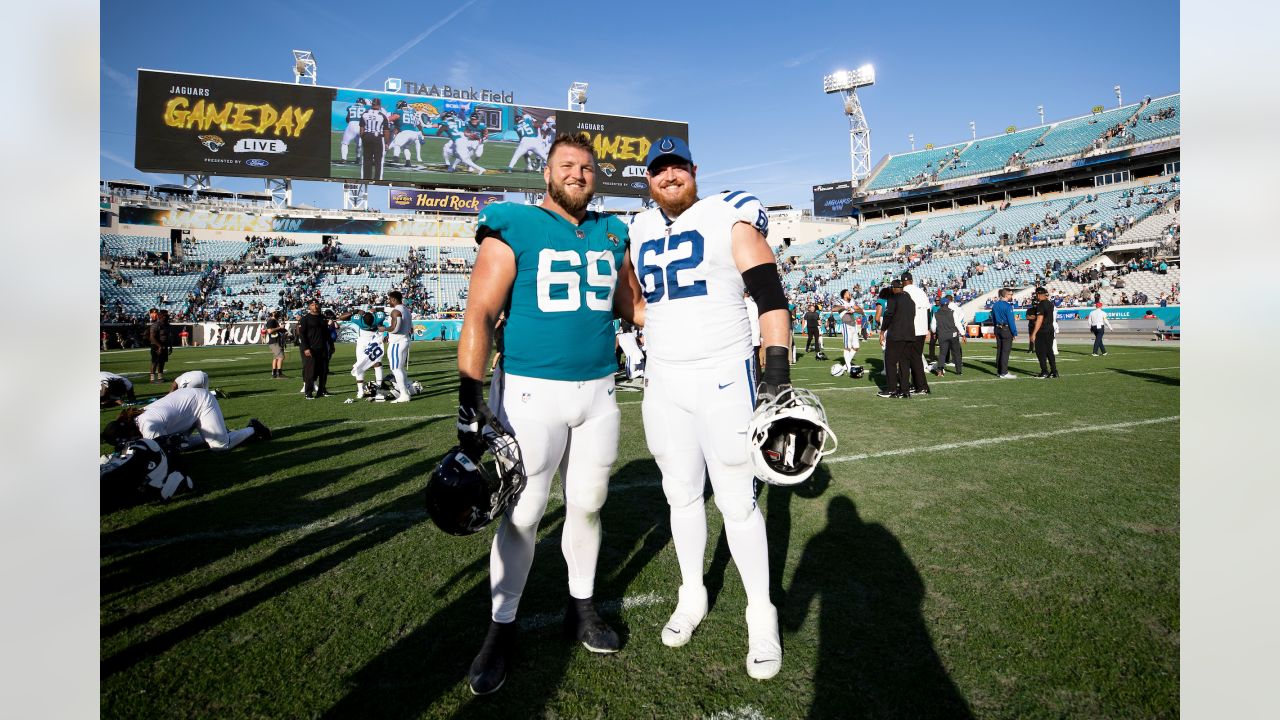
765	287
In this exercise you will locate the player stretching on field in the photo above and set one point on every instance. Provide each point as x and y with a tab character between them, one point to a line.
693	259
554	268
369	350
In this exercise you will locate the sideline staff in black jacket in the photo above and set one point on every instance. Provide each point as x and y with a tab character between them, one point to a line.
898	333
313	337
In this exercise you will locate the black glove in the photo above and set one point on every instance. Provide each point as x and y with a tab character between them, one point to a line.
776	375
473	416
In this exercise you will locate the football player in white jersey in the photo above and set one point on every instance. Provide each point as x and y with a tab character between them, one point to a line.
369	350
849	327
179	413
693	259
398	337
114	389
190	379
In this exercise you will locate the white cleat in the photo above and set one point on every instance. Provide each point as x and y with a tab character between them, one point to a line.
402	398
1008	376
764	649
690	610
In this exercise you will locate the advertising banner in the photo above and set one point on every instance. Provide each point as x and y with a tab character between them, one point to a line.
229	126
216	125
833	199
621	144
453	201
411	226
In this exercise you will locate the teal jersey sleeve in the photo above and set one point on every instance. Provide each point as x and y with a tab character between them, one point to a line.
560	311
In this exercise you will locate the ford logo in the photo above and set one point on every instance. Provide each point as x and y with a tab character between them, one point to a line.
256	162
640	185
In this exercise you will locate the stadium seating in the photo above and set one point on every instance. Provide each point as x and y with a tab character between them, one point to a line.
217	250
378	253
128	246
1142	130
901	169
1075	136
292	251
989	154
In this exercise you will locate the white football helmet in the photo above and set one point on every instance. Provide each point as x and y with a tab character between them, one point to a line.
788	436
837	369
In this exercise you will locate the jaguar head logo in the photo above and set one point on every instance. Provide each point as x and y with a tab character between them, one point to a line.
212	142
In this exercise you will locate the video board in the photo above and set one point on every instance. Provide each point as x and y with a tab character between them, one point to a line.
189	123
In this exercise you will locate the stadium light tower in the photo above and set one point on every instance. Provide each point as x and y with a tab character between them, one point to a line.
911	138
304	67
578	96
973	129
847	82
1119	100
1040	109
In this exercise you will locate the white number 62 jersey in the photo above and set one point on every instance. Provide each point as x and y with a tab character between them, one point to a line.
695	314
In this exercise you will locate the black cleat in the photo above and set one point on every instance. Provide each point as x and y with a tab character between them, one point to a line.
904	396
1053	375
583	623
489	670
886	394
260	431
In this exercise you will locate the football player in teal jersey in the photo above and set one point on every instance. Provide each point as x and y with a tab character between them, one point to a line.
352	131
560	272
408	130
456	147
477	131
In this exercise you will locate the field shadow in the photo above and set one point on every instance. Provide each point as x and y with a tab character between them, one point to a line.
875	656
187	535
777	519
309	554
1151	377
408	679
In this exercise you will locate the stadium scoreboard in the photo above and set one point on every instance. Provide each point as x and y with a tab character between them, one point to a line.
208	124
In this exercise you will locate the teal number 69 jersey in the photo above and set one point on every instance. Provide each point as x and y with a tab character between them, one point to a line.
560	313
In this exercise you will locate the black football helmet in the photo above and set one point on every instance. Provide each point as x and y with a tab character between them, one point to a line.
402	104
856	371
140	468
464	496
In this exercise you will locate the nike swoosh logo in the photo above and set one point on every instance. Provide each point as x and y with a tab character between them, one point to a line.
610	391
726	385
673	631
758	662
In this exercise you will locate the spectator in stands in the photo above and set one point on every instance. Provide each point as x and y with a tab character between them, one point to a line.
1099	324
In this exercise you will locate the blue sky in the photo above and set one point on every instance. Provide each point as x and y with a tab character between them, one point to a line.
746	76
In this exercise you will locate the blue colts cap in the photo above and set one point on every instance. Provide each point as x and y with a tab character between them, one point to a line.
668	146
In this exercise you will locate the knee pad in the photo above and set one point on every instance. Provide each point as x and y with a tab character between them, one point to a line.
528	510
683	490
736	507
588	493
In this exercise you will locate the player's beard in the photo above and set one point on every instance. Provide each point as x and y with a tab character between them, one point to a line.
573	200
682	200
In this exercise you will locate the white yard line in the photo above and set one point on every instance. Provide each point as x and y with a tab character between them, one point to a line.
970	407
746	712
994	379
998	440
606	607
1043	414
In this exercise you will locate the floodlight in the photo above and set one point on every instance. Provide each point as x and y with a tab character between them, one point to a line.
842	80
578	96
304	66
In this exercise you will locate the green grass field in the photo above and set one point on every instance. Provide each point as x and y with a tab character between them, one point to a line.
432	169
1001	549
